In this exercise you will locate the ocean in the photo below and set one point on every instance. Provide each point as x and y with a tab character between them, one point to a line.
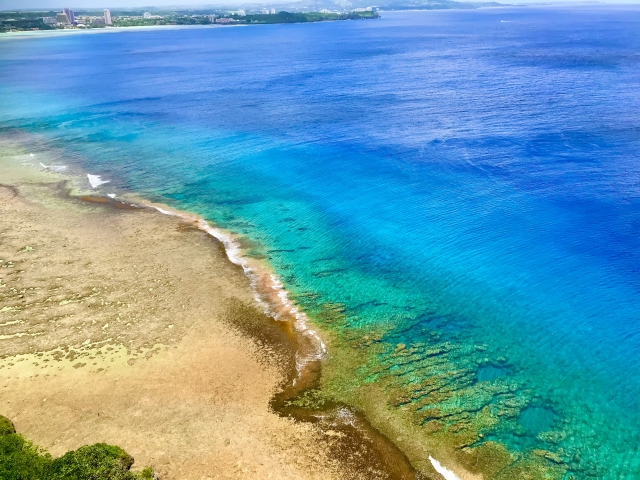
463	184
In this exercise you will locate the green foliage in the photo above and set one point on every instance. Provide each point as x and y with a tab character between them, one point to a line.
288	17
27	15
6	426
146	474
24	24
168	20
135	22
94	462
22	460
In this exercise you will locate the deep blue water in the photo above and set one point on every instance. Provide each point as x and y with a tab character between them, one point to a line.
471	178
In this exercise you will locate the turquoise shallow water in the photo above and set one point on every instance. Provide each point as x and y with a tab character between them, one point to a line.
465	180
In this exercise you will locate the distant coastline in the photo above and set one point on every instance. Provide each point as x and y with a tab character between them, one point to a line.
68	20
14	21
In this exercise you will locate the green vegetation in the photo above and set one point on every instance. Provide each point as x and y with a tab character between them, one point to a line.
26	15
280	17
6	427
22	460
166	20
25	25
288	17
24	21
135	22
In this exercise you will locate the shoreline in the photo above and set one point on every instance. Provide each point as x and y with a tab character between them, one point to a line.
22	35
369	422
353	443
268	289
269	292
270	295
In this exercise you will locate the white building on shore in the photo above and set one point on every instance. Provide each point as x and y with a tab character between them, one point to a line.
107	17
62	19
70	15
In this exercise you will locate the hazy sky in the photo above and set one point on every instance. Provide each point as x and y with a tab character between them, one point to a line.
58	4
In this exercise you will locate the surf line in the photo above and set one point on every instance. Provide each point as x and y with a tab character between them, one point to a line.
95	180
268	292
55	168
445	472
301	322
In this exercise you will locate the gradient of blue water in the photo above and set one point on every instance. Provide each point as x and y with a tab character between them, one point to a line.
476	173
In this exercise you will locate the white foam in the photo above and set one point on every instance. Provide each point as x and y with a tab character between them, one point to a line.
95	181
301	323
32	155
165	212
445	472
55	168
111	195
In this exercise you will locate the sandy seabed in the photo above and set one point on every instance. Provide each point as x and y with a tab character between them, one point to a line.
114	327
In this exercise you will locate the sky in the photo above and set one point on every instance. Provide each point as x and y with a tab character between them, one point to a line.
58	4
